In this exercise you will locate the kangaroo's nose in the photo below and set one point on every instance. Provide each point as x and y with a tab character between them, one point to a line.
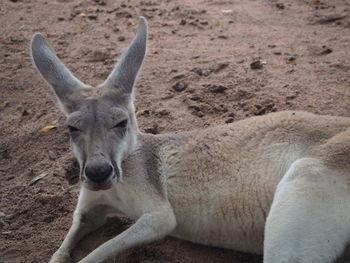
98	171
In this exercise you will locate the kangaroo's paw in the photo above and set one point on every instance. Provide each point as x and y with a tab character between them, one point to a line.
60	257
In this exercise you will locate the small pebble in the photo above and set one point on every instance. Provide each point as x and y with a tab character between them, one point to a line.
183	22
198	71
153	129
291	58
217	88
179	86
326	50
280	6
163	112
92	17
52	155
223	37
258	64
101	2
25	112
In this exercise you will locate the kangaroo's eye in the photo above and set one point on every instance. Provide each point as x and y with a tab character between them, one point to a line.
121	124
72	129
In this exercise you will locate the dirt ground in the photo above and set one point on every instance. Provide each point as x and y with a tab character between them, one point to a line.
199	72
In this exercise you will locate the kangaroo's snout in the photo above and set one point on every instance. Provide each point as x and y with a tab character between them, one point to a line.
98	172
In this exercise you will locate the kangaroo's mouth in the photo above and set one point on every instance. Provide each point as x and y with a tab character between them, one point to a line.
95	186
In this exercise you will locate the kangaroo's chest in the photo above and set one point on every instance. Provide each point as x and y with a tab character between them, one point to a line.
127	201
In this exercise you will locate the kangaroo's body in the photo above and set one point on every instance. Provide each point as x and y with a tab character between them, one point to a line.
221	181
278	184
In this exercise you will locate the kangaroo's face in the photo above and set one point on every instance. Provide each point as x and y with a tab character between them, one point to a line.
103	128
102	133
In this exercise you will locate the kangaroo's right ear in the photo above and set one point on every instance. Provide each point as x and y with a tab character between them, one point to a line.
67	87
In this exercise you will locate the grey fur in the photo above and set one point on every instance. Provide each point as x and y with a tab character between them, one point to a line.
123	76
54	71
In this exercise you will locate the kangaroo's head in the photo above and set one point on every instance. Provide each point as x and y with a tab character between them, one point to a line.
102	127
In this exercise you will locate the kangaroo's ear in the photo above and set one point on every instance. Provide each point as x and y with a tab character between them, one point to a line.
122	79
67	87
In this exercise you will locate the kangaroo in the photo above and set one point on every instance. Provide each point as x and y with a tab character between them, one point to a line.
277	184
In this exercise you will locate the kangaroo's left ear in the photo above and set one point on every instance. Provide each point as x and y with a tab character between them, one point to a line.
122	79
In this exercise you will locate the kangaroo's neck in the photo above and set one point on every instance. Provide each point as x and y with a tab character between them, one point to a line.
146	160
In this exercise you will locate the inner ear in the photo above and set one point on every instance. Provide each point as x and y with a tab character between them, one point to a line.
122	79
68	89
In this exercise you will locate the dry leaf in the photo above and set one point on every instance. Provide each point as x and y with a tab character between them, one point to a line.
48	128
38	178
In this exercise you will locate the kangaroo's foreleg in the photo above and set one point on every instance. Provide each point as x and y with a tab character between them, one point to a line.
149	227
89	215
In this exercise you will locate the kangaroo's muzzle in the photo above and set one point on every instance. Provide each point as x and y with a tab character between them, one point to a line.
98	171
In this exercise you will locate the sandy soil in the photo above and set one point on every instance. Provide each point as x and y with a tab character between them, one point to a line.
198	73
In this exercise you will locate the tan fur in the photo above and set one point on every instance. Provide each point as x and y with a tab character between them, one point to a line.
221	181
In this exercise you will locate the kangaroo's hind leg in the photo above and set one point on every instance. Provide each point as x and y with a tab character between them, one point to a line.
309	220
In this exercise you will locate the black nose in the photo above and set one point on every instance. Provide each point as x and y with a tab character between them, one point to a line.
98	171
